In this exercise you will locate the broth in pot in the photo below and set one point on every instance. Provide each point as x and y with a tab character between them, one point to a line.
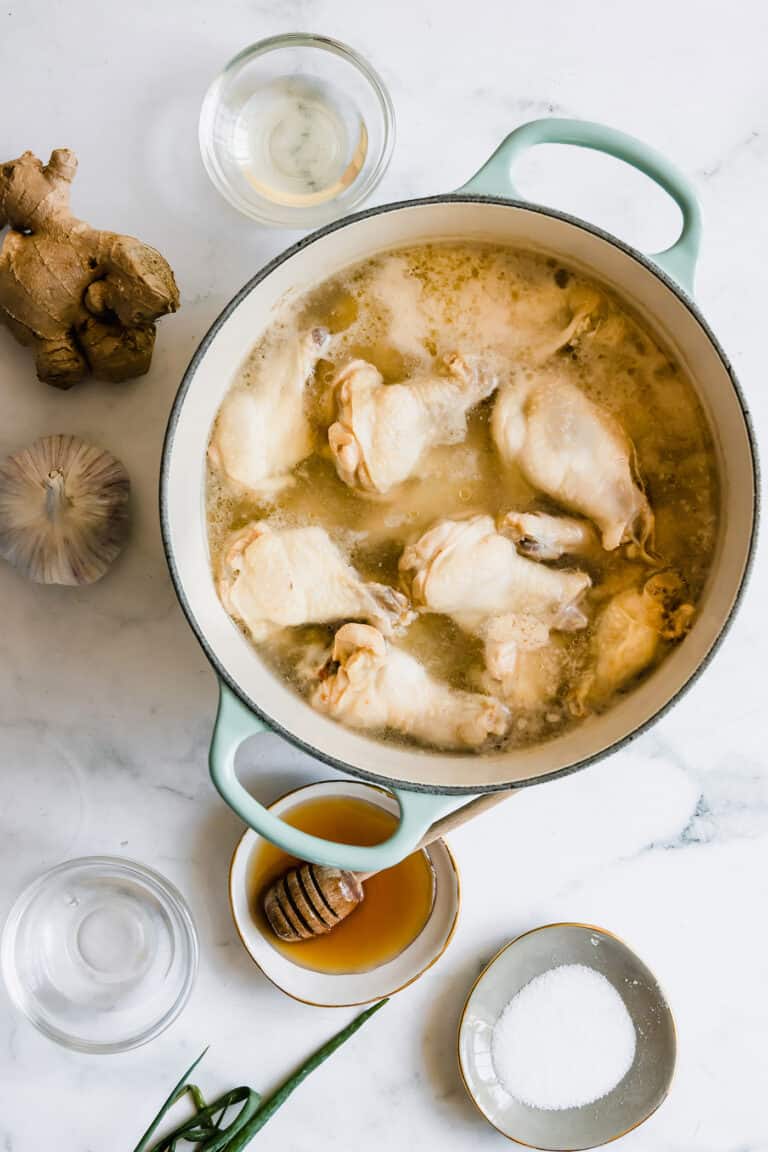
459	496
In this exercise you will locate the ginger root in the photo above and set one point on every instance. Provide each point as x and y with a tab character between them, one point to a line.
84	300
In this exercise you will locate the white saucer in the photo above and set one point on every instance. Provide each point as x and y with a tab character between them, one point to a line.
326	990
631	1102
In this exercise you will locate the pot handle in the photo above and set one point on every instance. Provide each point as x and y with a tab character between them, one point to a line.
494	178
418	810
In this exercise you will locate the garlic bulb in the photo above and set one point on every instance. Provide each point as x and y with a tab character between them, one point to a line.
63	510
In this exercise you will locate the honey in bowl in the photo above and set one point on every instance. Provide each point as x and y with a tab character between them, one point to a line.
397	904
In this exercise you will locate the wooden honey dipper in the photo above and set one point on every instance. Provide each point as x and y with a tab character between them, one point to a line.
311	899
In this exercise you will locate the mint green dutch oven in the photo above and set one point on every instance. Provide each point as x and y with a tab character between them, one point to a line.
430	784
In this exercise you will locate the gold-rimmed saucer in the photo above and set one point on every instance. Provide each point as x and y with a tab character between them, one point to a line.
634	1099
341	990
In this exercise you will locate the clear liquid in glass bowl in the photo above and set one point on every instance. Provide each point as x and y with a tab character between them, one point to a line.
299	141
100	954
297	130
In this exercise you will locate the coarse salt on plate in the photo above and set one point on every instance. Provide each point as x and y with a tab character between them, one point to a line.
565	1040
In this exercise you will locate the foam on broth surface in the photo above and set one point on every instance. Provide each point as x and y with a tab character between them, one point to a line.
400	310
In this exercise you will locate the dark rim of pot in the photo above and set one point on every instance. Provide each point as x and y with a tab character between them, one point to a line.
221	319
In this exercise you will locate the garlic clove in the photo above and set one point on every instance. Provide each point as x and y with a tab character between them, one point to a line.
63	510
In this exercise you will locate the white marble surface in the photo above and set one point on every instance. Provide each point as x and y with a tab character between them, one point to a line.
106	701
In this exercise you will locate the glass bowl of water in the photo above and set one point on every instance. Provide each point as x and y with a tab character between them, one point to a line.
100	954
297	130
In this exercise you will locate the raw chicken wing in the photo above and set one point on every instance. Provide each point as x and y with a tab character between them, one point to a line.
574	451
583	305
277	578
374	685
262	430
524	663
544	537
628	633
468	570
382	430
507	637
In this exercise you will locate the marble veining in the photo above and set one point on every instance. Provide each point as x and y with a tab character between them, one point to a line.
106	701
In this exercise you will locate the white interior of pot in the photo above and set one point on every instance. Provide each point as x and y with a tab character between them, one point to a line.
646	293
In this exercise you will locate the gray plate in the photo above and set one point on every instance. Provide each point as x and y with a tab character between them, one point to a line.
631	1102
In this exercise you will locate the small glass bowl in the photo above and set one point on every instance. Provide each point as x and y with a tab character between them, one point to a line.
297	130
100	954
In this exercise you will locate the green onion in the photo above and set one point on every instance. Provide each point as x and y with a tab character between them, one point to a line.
176	1094
279	1097
206	1128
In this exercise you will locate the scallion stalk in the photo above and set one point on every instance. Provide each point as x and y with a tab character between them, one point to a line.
205	1128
